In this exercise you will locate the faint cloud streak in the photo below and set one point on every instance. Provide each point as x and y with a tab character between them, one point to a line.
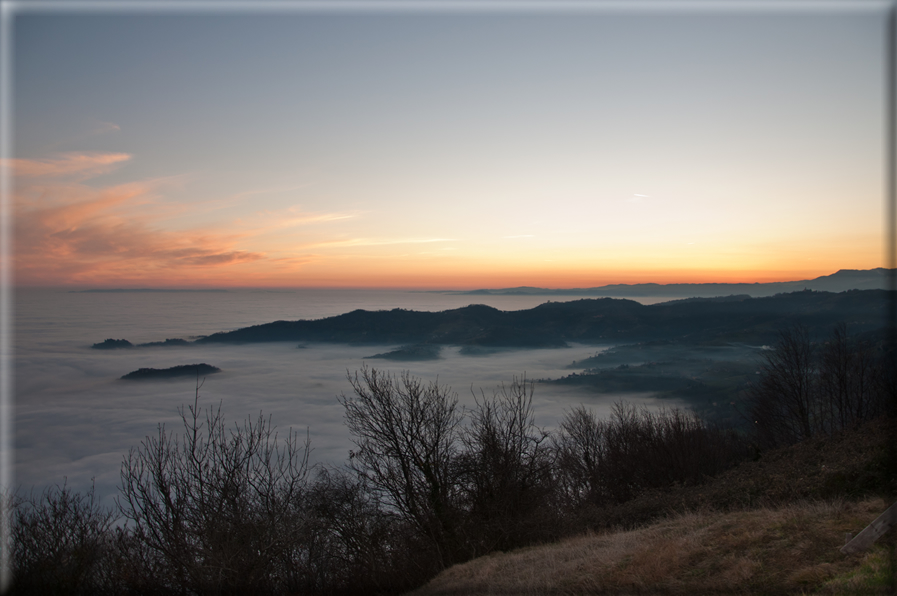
294	216
373	242
83	165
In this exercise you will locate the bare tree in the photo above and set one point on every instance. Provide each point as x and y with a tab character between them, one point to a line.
847	380
216	504
506	471
580	445
784	405
807	389
406	433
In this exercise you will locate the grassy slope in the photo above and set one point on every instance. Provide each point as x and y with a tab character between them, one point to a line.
771	526
787	550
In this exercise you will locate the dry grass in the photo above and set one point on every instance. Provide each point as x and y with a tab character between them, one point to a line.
788	550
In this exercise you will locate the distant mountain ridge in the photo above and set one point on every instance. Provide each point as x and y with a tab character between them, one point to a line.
841	281
554	324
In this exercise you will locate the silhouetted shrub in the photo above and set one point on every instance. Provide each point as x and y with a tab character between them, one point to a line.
606	461
61	541
217	506
354	545
505	470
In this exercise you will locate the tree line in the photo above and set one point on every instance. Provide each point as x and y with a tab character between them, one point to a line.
233	509
809	388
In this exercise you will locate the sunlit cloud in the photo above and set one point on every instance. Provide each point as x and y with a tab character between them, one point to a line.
518	236
84	242
83	165
67	232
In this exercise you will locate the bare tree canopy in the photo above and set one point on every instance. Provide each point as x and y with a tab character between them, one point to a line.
217	504
407	437
809	388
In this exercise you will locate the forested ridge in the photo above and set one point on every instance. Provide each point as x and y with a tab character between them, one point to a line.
735	318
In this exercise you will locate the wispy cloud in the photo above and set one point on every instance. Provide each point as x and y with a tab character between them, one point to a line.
81	165
269	221
68	232
88	240
105	127
376	242
518	236
96	129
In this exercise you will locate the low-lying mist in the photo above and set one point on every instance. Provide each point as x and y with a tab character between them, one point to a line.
80	418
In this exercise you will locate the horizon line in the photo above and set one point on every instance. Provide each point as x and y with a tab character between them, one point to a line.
89	288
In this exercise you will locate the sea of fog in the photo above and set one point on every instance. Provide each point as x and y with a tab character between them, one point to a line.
75	418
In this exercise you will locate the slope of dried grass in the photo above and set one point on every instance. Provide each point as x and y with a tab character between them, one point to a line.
792	549
769	526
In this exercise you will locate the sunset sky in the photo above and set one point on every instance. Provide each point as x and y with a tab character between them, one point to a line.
443	147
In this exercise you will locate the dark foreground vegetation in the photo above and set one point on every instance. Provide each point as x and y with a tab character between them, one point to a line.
215	508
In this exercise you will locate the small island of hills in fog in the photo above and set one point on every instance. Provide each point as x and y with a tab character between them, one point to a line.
183	370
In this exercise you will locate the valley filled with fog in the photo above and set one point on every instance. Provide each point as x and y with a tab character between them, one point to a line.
75	418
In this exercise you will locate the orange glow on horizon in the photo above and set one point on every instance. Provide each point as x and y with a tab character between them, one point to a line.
456	281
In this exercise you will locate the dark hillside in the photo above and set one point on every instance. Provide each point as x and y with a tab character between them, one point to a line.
752	320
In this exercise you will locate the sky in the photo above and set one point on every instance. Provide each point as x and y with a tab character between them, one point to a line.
446	148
